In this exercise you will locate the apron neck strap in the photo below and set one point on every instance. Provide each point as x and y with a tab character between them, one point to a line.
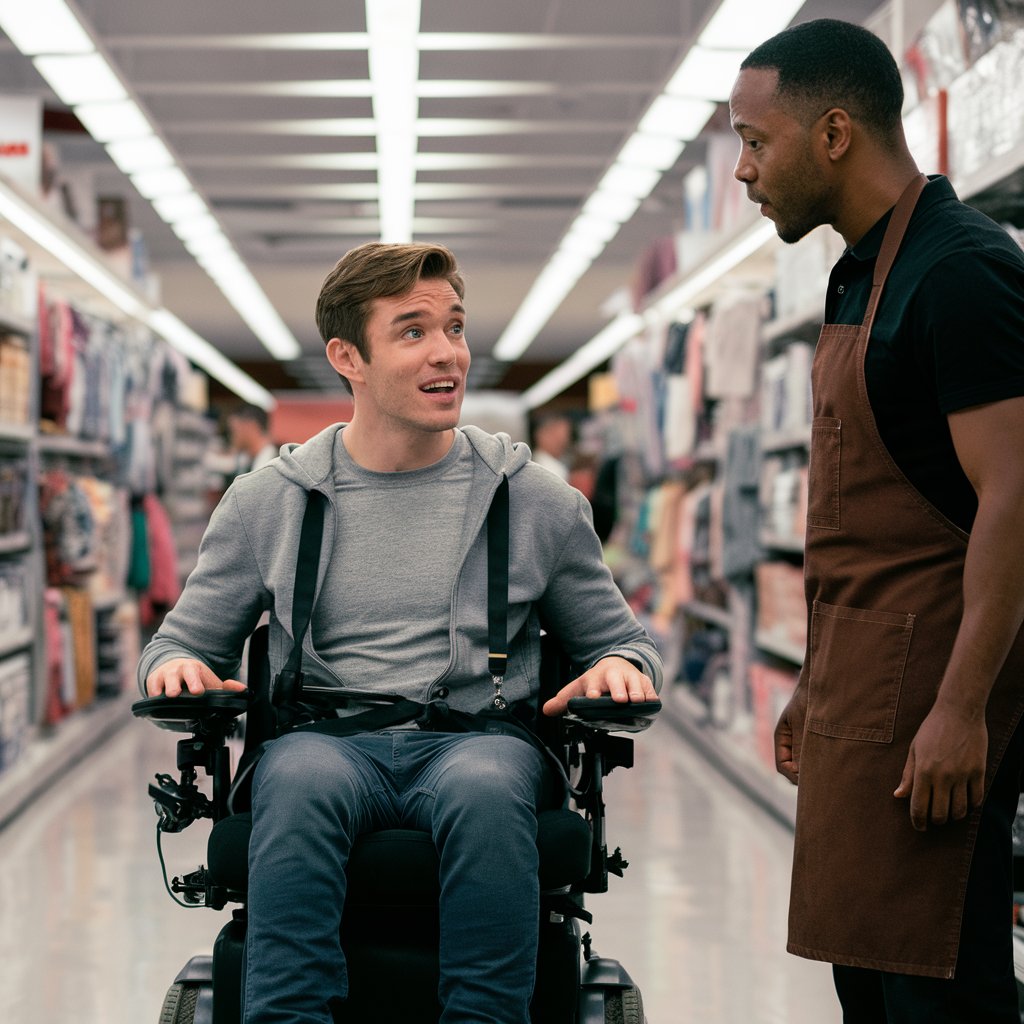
894	233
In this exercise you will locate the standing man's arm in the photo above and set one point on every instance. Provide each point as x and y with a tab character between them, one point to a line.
945	772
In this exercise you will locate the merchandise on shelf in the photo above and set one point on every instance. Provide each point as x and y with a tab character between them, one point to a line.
15	385
781	606
17	283
986	108
15	614
15	686
770	689
13	493
801	274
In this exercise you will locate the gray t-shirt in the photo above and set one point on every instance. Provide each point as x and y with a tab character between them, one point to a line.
385	607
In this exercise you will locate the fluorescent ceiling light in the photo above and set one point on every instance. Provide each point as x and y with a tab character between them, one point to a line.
544	297
112	122
201	352
81	78
624	179
84	80
172	208
744	24
242	291
67	251
457	88
677	116
601	229
706	74
601	347
590	248
208	249
201	226
133	156
167	181
89	267
43	26
394	62
570	265
611	206
658	152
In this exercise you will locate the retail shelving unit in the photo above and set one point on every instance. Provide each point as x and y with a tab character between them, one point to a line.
33	750
21	576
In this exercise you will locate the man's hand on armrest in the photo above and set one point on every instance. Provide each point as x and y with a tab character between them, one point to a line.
614	677
186	675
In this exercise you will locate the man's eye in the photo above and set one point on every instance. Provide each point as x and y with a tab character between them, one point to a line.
753	144
457	328
415	333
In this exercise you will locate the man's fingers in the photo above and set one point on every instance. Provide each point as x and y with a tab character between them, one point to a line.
786	762
976	791
558	704
959	803
921	803
906	784
185	675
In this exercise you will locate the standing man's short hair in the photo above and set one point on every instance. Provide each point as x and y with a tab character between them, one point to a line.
828	63
377	270
251	414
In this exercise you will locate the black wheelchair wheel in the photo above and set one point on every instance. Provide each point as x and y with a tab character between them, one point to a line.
180	1004
624	1006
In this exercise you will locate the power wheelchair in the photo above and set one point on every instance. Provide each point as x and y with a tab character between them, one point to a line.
390	923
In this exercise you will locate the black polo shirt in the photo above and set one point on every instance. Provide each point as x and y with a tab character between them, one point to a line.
948	334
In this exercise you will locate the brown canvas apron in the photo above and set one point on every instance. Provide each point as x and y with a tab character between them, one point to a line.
884	572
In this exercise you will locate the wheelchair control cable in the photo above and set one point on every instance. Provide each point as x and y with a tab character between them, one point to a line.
163	871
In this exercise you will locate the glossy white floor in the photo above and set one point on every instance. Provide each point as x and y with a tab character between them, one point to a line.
88	935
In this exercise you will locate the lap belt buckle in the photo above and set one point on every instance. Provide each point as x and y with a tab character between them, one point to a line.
498	701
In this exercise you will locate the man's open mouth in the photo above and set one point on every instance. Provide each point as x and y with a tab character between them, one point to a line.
442	387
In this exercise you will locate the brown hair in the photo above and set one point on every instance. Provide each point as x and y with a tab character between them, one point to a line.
374	271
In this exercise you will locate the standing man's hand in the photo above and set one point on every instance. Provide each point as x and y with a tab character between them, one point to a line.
944	776
789	736
613	677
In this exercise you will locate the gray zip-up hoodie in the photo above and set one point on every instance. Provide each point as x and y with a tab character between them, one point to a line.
556	574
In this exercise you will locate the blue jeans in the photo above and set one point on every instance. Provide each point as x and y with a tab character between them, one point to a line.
476	794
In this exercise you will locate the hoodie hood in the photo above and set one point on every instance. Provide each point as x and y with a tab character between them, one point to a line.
311	465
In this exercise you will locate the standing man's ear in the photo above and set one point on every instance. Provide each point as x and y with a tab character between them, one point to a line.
345	359
838	132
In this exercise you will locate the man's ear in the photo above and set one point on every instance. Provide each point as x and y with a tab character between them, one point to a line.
345	359
838	132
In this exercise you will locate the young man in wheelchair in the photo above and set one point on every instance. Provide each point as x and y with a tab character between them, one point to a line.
401	607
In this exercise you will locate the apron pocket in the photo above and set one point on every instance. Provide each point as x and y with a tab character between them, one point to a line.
823	473
856	671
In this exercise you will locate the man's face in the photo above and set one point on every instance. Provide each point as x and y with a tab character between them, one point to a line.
240	432
415	378
778	162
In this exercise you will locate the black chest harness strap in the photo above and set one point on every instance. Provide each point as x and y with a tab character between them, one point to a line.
312	709
299	706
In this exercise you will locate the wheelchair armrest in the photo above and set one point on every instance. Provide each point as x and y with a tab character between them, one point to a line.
609	715
215	709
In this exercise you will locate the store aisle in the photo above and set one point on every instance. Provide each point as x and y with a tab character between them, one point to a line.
699	920
88	934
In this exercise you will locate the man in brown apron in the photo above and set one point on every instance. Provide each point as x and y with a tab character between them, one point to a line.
902	731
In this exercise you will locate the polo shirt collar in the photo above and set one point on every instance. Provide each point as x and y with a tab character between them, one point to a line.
868	248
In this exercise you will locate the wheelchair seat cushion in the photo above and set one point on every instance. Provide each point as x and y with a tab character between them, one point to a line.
399	867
